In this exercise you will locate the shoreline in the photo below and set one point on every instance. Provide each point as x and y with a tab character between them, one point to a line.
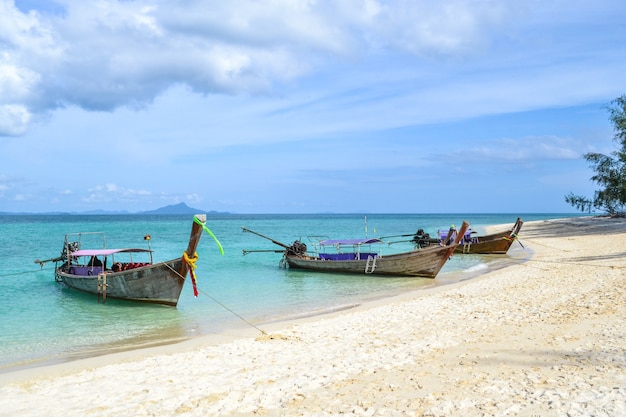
117	352
244	329
538	337
113	354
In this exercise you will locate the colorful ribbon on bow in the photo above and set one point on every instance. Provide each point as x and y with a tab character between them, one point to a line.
206	229
510	238
191	262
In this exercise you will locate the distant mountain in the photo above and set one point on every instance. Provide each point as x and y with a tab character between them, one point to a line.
180	208
108	212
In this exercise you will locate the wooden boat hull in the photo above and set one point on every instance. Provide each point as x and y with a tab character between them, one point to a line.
493	244
425	263
160	283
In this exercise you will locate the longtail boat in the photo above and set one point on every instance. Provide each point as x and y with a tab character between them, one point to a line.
492	244
355	256
101	272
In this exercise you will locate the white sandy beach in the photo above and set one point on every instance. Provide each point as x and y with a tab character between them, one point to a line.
541	337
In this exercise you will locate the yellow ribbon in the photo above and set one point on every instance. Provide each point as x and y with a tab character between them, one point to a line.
192	265
191	261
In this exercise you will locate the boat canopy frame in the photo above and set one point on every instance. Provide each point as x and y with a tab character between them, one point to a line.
355	248
73	243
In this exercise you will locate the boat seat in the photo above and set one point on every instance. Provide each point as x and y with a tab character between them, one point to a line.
85	270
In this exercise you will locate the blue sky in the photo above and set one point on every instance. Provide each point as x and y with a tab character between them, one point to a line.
304	106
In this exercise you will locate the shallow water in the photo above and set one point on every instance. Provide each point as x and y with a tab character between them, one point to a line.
43	322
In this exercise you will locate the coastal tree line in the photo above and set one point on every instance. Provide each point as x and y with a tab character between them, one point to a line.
610	170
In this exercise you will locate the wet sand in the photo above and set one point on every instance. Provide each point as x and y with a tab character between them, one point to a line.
541	337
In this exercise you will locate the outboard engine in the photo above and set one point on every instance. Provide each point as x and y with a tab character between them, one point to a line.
421	239
297	248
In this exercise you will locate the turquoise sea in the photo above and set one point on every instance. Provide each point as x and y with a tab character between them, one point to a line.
43	322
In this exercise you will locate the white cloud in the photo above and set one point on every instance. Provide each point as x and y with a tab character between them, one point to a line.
14	119
109	54
244	101
451	28
27	47
525	149
111	192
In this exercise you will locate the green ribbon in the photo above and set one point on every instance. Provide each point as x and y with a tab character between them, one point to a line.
197	220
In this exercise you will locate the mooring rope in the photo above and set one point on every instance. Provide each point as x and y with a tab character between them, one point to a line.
26	272
221	304
232	311
529	262
540	244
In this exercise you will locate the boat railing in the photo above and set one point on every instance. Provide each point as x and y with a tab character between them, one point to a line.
348	252
315	242
442	234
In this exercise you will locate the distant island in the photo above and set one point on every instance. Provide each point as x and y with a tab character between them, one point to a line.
180	208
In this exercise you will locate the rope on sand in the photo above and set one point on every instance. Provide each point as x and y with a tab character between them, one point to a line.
561	262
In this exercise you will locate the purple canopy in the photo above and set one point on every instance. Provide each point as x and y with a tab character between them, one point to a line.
363	241
105	252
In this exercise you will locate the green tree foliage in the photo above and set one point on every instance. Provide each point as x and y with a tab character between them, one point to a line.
610	170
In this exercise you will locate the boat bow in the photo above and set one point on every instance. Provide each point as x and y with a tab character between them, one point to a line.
194	238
